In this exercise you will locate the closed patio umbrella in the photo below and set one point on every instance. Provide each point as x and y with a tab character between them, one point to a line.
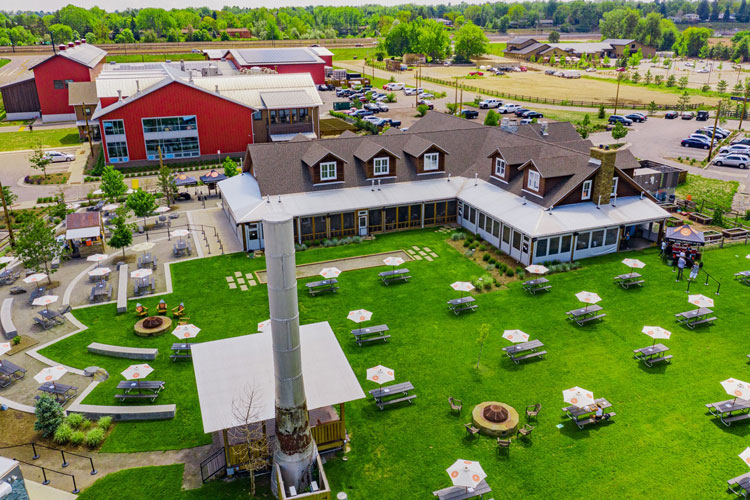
701	300
380	374
736	388
466	473
578	397
330	272
50	374
359	315
745	456
656	332
515	336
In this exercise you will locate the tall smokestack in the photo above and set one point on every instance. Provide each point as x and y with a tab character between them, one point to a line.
296	450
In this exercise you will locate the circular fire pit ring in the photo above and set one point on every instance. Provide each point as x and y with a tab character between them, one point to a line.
153	326
495	419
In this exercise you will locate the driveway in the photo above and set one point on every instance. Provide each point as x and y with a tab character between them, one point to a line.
18	67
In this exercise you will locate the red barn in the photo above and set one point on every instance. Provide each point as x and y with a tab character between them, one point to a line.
76	62
284	60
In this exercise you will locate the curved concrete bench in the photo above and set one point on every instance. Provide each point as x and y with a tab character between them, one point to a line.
6	321
122	413
117	351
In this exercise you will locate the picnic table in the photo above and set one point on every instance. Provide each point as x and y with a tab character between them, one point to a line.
740	485
583	416
52	316
700	316
181	247
61	392
629	279
524	350
742	276
731	410
317	287
388	277
9	373
7	277
537	285
457	306
384	395
38	292
181	351
142	285
586	314
140	385
652	354
370	334
99	292
147	261
462	493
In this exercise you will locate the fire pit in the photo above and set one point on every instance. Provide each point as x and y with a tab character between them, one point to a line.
153	326
495	419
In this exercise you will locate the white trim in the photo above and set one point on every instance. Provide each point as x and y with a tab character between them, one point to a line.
437	161
328	164
432	172
499	162
375	166
538	178
615	182
499	179
327	183
532	193
590	183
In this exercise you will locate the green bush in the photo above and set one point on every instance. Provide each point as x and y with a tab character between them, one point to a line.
16	340
486	256
77	438
49	415
94	437
509	272
74	420
104	423
457	236
62	434
483	247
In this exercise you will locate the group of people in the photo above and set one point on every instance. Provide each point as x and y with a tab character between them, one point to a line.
680	261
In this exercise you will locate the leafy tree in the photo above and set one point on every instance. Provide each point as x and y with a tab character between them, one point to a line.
49	415
652	107
718	217
636	77
142	203
601	113
125	36
230	167
671	81
433	40
704	10
167	184
122	234
584	127
39	159
10	196
683	100
715	11
422	110
451	108
112	184
721	87
36	246
658	80
61	33
492	118
470	42
619	131
554	37
606	61
647	78
504	24
692	41
682	83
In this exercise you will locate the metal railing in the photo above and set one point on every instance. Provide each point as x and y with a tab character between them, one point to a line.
708	277
201	228
64	464
46	481
213	465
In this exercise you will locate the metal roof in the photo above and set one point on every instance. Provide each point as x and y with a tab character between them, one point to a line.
86	54
282	99
265	57
226	369
322	51
82	92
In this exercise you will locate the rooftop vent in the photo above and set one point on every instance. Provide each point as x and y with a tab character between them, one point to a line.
509	125
543	128
78	42
61	47
217	88
71	44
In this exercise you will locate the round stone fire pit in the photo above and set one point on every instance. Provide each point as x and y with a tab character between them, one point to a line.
495	419
153	326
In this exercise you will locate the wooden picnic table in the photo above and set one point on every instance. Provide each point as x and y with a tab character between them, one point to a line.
147	261
316	287
582	416
515	351
537	285
585	314
696	317
370	334
740	485
142	285
384	395
61	392
457	306
462	493
743	277
52	316
725	410
629	279
181	247
388	277
9	373
652	354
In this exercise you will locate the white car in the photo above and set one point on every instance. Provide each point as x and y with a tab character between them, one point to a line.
490	103
703	70
394	86
56	156
736	148
591	69
508	108
410	91
732	160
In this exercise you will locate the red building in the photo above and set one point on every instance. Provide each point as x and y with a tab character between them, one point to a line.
284	60
76	62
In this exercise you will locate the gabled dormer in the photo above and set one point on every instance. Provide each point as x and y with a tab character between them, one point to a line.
325	166
533	180
499	167
429	158
377	161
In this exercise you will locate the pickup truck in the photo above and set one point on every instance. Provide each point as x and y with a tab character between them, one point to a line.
470	114
490	103
508	108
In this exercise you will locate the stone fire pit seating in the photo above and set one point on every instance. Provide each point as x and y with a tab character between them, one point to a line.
141	310
161	309
153	326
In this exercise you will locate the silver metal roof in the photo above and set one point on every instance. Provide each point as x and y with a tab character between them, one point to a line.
287	55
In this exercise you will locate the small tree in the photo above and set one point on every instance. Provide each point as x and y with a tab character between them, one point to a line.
112	184
721	87
554	37
10	196
619	131
142	203
606	61
122	234
552	60
451	108
484	331
636	77
652	107
601	114
230	167
39	159
59	209
390	97
422	110
36	246
167	184
683	100
492	118
253	448
718	218
658	80
647	78
671	81
49	415
682	83
584	127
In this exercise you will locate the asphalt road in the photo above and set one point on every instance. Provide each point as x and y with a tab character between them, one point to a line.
17	67
15	166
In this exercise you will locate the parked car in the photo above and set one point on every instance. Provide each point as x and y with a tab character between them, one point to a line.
508	108
476	73
702	137
694	143
526	121
520	111
393	86
392	122
523	68
426	95
703	70
323	87
687	115
591	69
490	103
619	118
470	114
56	156
382	107
732	160
671	115
372	107
709	132
549	72
735	148
636	117
410	91
532	114
744	140
361	113
702	116
427	103
620	69
375	120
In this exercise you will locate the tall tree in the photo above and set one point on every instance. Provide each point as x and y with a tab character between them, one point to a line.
122	234
112	184
36	246
167	184
470	42
39	159
703	10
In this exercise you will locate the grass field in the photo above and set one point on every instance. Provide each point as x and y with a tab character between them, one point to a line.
52	138
348	54
713	191
134	58
575	117
661	440
497	48
3	62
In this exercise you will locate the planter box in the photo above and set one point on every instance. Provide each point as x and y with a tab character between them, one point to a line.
712	236
700	218
735	233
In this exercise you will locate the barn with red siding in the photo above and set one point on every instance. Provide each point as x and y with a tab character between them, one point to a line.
283	60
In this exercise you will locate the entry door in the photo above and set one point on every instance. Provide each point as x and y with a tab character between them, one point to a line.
515	249
253	237
525	250
362	216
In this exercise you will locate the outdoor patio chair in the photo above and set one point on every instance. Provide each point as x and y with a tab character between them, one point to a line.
503	444
161	309
473	431
456	404
525	431
141	311
184	320
532	411
178	311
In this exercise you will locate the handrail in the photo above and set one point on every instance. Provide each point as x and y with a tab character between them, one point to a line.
44	475
189	227
62	452
210	458
708	276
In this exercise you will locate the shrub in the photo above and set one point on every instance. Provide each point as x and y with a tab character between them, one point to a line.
94	437
473	245
483	247
469	253
467	243
458	236
104	423
16	340
77	437
74	420
492	261
62	434
486	256
49	415
509	272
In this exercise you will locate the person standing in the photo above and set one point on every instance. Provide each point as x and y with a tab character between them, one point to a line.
694	271
663	251
680	266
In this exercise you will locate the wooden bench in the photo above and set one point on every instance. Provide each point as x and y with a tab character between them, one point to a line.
539	289
735	418
606	416
360	339
116	351
6	320
123	397
530	355
383	403
701	322
122	290
583	321
360	334
124	413
652	361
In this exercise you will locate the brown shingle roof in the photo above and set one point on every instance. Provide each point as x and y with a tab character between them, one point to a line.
83	219
367	149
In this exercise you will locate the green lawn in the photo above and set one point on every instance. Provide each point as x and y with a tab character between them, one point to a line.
661	441
53	138
575	117
347	54
3	62
713	191
497	48
135	58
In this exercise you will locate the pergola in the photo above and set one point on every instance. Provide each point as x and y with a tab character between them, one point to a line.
83	229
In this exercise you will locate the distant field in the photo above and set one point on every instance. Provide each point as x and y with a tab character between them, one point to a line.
135	58
497	48
55	138
349	54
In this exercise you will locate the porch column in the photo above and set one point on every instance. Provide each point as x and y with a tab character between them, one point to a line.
299	231
573	246
422	218
226	447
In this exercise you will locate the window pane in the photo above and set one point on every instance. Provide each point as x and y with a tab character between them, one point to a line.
611	236
375	217
306	225
554	244
597	238
541	248
481	220
335	222
451	208
348	220
495	228
582	242
565	244
516	240
506	234
429	210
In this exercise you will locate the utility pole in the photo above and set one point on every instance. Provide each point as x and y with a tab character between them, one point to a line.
744	104
7	217
455	106
461	102
713	134
416	92
617	96
88	129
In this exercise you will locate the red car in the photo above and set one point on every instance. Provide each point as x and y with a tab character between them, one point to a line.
523	68
620	69
476	73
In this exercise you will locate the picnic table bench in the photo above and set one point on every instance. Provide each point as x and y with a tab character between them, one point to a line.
652	354
6	319
743	277
725	410
181	351
44	322
8	277
180	248
740	485
388	277
100	292
317	287
629	279
586	314
143	285
457	306
537	285
9	373
462	493
370	334
583	416
151	396
61	392
38	292
524	350
402	390
700	316
146	261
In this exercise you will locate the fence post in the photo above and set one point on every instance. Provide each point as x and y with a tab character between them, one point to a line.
36	455
64	463
44	475
75	488
93	471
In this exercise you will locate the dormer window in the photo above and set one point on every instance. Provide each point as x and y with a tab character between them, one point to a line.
586	191
500	168
381	166
614	186
328	171
431	161
533	180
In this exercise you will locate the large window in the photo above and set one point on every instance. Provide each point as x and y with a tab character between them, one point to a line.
541	248
176	147
169	124
533	182
582	241
328	171
117	151
381	166
61	84
500	168
597	238
565	244
113	127
586	191
431	161
611	237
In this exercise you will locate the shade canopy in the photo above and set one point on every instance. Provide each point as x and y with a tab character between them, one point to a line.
141	273
97	257
212	177
264	324
142	247
359	315
745	456
4	347
180	232
161	210
588	297
656	332
685	234
537	269
188	331
462	286
515	336
184	180
35	278
578	396
330	272
634	263
701	300
736	388
100	271
393	261
45	300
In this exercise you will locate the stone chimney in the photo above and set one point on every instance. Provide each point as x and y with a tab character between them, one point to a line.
602	188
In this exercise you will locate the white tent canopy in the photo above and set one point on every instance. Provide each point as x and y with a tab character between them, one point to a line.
226	369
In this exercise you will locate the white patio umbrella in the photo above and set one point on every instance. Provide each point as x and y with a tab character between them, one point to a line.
161	210
100	271
537	269
111	206
634	263
186	332
515	336
462	286
140	273
137	372
588	298
359	315
380	374
330	272
466	473
701	301
45	300
6	259
50	374
142	247
97	257
35	278
736	388
264	324
180	232
579	397
4	347
745	456
393	262
656	332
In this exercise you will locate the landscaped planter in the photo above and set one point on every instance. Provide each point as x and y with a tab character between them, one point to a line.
735	233
711	236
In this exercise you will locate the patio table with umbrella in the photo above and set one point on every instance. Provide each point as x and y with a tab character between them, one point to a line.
582	403
387	277
631	278
48	377
380	375
144	246
329	284
516	336
737	388
464	303
539	284
654	353
137	373
99	272
35	278
141	277
359	315
701	315
589	312
466	474
45	300
184	333
330	272
97	257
